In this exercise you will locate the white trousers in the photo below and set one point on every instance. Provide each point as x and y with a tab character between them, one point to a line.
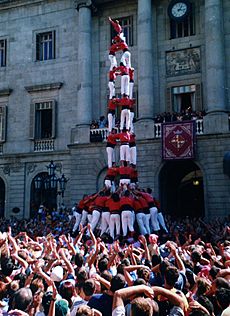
114	223
161	220
131	85
125	152
94	219
125	84
127	222
154	220
111	121
111	89
125	119
84	218
131	122
105	220
111	156
126	59
113	61
143	223
77	217
133	155
110	185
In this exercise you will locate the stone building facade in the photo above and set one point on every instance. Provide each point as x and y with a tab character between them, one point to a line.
53	83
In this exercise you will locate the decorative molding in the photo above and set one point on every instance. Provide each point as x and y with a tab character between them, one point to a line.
31	167
5	92
44	87
82	3
6	169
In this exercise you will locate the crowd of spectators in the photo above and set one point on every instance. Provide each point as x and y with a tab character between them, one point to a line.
47	271
179	116
159	118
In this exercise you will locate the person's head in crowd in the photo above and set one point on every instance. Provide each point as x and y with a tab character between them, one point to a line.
171	276
219	283
82	276
156	259
67	290
7	266
143	307
197	312
117	283
84	310
22	299
21	277
139	281
203	286
196	256
107	276
143	273
46	300
204	301
103	264
36	284
79	260
88	289
61	308
223	298
213	272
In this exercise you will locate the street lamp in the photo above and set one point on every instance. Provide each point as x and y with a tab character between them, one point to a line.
51	182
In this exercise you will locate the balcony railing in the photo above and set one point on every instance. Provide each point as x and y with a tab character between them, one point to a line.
100	134
43	145
199	128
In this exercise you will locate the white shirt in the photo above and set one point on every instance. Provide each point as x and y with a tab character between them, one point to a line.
119	311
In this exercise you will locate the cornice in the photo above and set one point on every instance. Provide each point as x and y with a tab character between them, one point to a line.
8	4
44	87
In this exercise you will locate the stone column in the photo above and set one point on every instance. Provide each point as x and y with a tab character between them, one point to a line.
84	88
145	68
216	120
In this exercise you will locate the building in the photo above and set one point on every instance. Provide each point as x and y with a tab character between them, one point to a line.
53	83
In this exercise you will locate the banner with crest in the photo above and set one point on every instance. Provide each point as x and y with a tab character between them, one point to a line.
178	140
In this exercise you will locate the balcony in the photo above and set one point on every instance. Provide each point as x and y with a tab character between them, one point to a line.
100	134
43	145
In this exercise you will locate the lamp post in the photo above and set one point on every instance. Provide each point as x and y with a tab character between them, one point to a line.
52	183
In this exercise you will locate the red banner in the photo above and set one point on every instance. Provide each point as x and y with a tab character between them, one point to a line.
178	140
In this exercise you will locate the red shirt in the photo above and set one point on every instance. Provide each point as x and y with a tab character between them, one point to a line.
100	201
111	173
132	138
112	75
131	74
123	137
116	47
148	197
111	139
123	70
125	172
114	207
113	103
134	175
126	203
116	26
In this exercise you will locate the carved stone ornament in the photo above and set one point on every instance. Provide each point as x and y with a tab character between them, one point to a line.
82	3
6	169
31	167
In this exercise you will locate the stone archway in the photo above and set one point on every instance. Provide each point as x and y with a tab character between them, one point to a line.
2	198
181	189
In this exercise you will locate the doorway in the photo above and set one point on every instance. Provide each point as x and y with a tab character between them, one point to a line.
181	189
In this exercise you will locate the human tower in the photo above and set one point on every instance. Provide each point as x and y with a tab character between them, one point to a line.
118	205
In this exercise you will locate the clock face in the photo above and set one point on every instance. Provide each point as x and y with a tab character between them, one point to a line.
179	9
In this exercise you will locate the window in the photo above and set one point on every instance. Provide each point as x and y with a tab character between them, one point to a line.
45	46
2	123
3	53
42	120
127	26
184	28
